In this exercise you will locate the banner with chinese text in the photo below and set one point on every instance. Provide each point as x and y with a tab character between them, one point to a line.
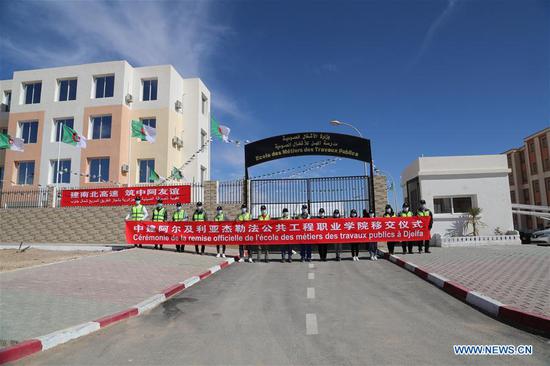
276	232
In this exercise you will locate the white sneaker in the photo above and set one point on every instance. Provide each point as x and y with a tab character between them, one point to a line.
241	260
223	255
250	260
372	257
356	258
218	255
375	257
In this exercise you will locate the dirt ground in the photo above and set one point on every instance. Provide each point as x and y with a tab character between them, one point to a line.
10	259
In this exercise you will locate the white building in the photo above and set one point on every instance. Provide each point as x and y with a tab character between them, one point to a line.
452	185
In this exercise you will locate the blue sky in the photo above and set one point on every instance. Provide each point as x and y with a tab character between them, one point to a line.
432	77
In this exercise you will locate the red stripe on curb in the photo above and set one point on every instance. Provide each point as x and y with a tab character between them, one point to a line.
170	291
456	289
421	273
223	265
202	276
525	319
20	350
400	262
113	318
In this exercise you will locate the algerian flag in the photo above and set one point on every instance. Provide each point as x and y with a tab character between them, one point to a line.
153	176
176	174
219	131
72	137
11	143
145	133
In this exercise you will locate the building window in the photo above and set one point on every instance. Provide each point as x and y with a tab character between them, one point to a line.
59	123
452	205
547	184
67	89
462	204
25	172
61	173
101	127
522	166
104	86
145	169
513	196
526	198
544	153
4	131
442	205
536	193
149	89
204	104
6	101
29	131
1	176
32	92
99	170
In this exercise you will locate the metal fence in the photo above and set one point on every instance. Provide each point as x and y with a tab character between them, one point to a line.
231	192
330	193
27	198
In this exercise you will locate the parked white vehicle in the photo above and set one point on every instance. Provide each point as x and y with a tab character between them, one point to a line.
541	236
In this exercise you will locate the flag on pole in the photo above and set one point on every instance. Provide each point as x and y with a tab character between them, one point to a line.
153	176
11	143
220	131
176	174
145	133
72	137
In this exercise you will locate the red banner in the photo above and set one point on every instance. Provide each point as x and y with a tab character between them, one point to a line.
277	232
125	196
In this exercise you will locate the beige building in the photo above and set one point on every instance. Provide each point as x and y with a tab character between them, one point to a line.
99	101
530	177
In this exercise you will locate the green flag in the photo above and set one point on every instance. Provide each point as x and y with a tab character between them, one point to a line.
153	176
11	143
145	133
72	137
176	174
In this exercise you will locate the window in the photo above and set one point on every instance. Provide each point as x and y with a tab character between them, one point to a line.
1	176
544	153
29	131
150	89
523	168
204	103
442	205
526	198
32	92
104	86
536	193
151	122
452	205
6	101
145	169
67	90
25	172
547	184
513	196
59	123
462	204
101	127
61	174
203	137
99	170
4	131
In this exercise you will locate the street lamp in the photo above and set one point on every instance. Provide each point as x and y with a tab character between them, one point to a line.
336	122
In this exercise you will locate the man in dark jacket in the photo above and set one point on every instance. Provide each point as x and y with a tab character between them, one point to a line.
425	211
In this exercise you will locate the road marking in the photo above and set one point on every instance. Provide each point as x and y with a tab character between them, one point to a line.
311	324
311	276
311	265
311	293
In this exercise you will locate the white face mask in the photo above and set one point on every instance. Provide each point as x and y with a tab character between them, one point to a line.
199	208
178	208
159	205
405	209
388	210
285	214
243	210
304	212
264	212
220	212
354	215
322	214
138	202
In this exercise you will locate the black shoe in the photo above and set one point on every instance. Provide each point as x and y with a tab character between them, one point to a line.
338	259
410	252
302	259
156	246
282	260
427	251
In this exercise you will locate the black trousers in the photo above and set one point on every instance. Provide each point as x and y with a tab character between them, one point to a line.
180	248
410	245
323	250
391	246
197	249
355	249
218	249
426	245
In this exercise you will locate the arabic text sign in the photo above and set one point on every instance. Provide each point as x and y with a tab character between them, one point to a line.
277	232
125	196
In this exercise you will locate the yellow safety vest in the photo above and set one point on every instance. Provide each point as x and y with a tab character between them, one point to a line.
178	216
198	216
423	213
406	214
244	217
264	218
389	215
137	213
218	218
158	215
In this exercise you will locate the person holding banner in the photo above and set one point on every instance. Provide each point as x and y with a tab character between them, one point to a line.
323	248
286	249
425	211
160	215
389	213
199	215
373	246
406	213
354	246
220	216
337	246
264	216
137	213
244	216
179	215
305	249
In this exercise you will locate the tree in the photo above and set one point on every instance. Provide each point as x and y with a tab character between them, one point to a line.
474	219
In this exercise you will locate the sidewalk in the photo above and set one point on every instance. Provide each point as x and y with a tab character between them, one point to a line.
40	300
517	275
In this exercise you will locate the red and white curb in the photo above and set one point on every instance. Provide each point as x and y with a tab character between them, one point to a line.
51	340
508	314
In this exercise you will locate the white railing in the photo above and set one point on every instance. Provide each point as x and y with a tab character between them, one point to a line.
472	241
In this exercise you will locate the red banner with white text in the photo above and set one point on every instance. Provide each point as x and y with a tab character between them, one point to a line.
125	196
277	232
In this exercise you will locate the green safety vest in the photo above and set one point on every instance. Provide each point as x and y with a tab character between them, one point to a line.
198	216
244	217
285	218
389	215
137	213
178	216
406	214
423	213
158	215
219	217
264	218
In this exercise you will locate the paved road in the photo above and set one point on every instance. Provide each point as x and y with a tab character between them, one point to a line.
347	313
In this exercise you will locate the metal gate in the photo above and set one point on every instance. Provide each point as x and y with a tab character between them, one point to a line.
330	193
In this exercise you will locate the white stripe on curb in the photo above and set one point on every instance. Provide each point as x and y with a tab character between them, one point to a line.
191	281
230	260
483	302
214	269
410	266
65	335
437	280
393	258
150	303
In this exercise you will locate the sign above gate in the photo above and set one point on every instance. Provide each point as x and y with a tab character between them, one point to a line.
307	143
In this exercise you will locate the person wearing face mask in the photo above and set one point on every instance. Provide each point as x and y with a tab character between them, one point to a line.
406	212
373	245
244	216
354	246
425	211
160	215
305	249
179	215
388	212
220	216
323	248
199	215
137	213
337	246
286	249
264	216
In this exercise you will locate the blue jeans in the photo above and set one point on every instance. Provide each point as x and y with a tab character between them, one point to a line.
305	251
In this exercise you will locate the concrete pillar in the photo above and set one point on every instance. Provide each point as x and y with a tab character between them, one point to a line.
380	194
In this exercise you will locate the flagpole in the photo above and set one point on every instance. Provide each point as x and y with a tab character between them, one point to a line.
129	153
58	156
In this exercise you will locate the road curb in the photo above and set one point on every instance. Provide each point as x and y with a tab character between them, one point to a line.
48	341
534	323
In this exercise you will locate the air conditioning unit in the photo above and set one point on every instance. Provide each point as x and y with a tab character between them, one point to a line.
176	141
129	98
124	168
179	105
